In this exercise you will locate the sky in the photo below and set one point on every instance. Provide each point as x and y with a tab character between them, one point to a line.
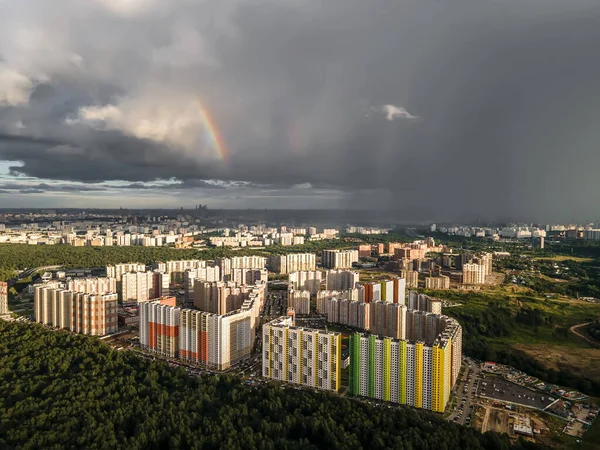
438	110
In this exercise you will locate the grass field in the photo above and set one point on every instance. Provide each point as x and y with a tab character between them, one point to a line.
508	319
563	258
580	358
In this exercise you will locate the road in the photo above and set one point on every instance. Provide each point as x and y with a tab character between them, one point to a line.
29	272
575	330
466	393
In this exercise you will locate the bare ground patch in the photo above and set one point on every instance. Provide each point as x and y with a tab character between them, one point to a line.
583	360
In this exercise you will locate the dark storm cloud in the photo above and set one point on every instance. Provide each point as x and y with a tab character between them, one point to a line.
505	94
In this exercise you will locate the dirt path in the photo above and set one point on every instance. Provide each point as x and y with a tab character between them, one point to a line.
575	330
486	418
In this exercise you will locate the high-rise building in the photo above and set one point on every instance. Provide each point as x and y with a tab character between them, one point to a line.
338	307
302	356
294	262
339	259
407	372
93	314
137	287
239	262
411	277
422	302
3	298
161	283
206	273
249	276
486	260
364	250
118	270
218	297
473	273
392	246
213	340
177	269
393	291
92	285
388	319
159	327
461	259
299	300
341	280
437	283
309	280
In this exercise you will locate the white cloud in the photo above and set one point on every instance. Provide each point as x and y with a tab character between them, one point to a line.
175	121
393	112
15	87
129	8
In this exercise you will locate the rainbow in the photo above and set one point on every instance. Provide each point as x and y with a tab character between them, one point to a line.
213	133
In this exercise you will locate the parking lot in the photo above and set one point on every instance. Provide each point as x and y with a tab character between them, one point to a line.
498	389
312	322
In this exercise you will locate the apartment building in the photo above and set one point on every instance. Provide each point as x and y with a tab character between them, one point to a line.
437	283
137	287
364	250
408	372
393	290
309	280
388	319
3	298
411	277
341	280
118	270
303	356
248	275
207	273
161	283
92	314
339	259
473	273
159	327
216	341
422	302
239	262
294	262
299	300
176	269
218	297
92	285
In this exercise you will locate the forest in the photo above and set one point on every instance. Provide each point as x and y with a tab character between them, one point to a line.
593	330
60	390
21	256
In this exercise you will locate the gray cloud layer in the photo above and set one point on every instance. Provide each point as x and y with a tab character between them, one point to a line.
506	95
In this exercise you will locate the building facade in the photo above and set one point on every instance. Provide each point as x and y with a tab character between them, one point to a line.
215	341
341	280
339	259
3	298
473	273
309	280
303	356
437	283
422	302
92	314
299	300
294	262
137	287
93	285
413	373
